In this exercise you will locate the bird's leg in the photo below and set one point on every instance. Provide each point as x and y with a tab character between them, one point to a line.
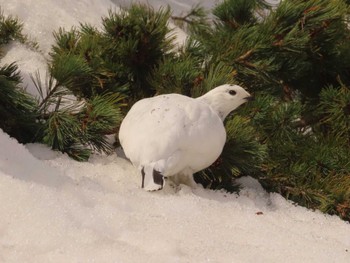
152	180
191	182
158	178
184	178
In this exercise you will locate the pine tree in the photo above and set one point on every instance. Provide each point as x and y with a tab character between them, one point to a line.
57	118
120	58
296	60
10	29
75	126
17	108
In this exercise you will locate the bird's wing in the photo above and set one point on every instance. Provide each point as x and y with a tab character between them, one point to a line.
167	128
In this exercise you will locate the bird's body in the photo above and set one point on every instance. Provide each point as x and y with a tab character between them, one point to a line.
172	134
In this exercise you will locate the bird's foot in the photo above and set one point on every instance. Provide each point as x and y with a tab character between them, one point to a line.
151	187
152	180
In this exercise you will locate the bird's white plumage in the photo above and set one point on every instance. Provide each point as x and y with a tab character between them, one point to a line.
169	130
176	134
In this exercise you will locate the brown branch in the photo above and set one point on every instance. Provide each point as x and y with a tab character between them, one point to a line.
182	18
244	56
306	121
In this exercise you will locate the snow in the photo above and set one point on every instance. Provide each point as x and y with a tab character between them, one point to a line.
44	17
54	209
29	62
178	7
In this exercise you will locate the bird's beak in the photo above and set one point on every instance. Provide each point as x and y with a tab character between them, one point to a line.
249	98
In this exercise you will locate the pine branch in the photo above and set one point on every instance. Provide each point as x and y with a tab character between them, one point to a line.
18	110
11	29
196	15
245	56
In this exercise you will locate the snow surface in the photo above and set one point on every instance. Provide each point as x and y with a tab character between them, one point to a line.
54	209
178	7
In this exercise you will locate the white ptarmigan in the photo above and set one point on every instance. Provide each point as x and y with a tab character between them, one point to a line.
175	136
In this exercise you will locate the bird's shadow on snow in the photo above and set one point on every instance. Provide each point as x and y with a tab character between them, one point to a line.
251	195
120	153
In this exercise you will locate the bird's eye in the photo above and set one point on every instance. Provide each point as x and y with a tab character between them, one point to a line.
232	92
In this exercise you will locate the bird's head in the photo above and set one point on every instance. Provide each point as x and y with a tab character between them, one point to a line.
226	98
